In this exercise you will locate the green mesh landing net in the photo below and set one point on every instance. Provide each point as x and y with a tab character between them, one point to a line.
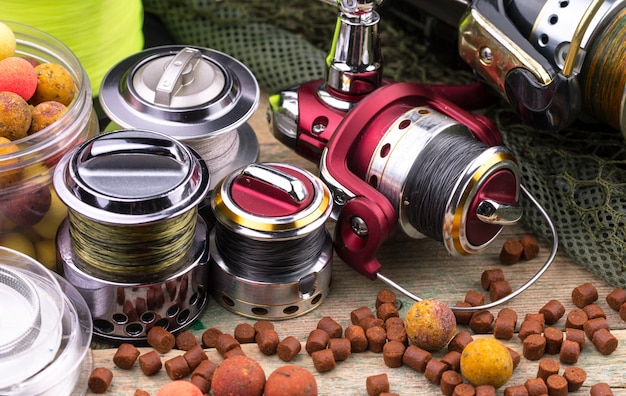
578	175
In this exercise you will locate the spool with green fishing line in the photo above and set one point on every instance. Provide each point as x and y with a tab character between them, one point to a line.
133	243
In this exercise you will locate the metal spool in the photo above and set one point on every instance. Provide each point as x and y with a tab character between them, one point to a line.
197	95
270	254
133	244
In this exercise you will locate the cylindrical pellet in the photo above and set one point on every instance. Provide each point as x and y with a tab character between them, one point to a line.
323	360
125	356
490	275
150	363
449	380
267	341
185	340
360	313
570	351
377	384
552	311
584	294
341	348
225	342
317	340
100	380
557	385
288	348
534	346
393	351
554	340
331	326
194	356
575	377
547	367
209	337
416	358
245	333
160	339
434	370
357	337
177	367
385	296
376	338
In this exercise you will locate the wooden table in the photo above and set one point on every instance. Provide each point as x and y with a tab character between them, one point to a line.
423	267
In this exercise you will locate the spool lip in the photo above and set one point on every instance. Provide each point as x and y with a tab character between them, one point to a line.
131	177
257	216
222	97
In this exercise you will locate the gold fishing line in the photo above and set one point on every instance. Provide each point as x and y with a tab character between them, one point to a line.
131	249
603	74
100	33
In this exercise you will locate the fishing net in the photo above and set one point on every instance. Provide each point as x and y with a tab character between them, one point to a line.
578	175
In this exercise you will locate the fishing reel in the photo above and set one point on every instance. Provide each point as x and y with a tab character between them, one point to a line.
552	60
397	154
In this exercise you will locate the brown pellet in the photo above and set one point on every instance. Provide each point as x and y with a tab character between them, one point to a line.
194	356
537	316
394	321
515	356
463	317
317	340
449	380
225	342
528	327
150	362
323	360
416	358
160	339
616	298
474	298
177	367
453	360
485	390
434	370
262	325
499	289
185	340
366	323
209	337
357	315
481	322
576	318
201	383
534	346
503	328
460	341
396	333
554	339
584	294
377	384
600	389
577	335
464	390
357	338
288	348
489	276
531	247
393	351
622	312
557	385
515	390
245	333
570	351
341	348
547	367
536	387
205	369
376	338
575	377
511	251
604	341
100	380
593	325
331	326
594	311
267	340
385	296
508	313
386	311
552	311
236	351
125	356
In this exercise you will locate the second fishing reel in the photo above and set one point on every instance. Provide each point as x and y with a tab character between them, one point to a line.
396	154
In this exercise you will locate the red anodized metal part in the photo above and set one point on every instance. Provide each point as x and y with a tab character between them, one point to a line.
370	205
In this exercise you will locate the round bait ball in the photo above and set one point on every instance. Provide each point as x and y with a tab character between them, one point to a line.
179	388
238	375
486	361
45	114
26	208
54	83
291	380
15	116
7	41
8	176
430	324
18	75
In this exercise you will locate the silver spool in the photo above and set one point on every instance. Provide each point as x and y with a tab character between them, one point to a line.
130	184
270	254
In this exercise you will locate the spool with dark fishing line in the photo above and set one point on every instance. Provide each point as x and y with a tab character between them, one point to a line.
270	253
133	243
197	95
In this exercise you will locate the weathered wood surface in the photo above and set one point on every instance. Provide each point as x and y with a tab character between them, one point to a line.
423	267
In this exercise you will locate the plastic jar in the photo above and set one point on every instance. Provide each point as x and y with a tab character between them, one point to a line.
30	211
